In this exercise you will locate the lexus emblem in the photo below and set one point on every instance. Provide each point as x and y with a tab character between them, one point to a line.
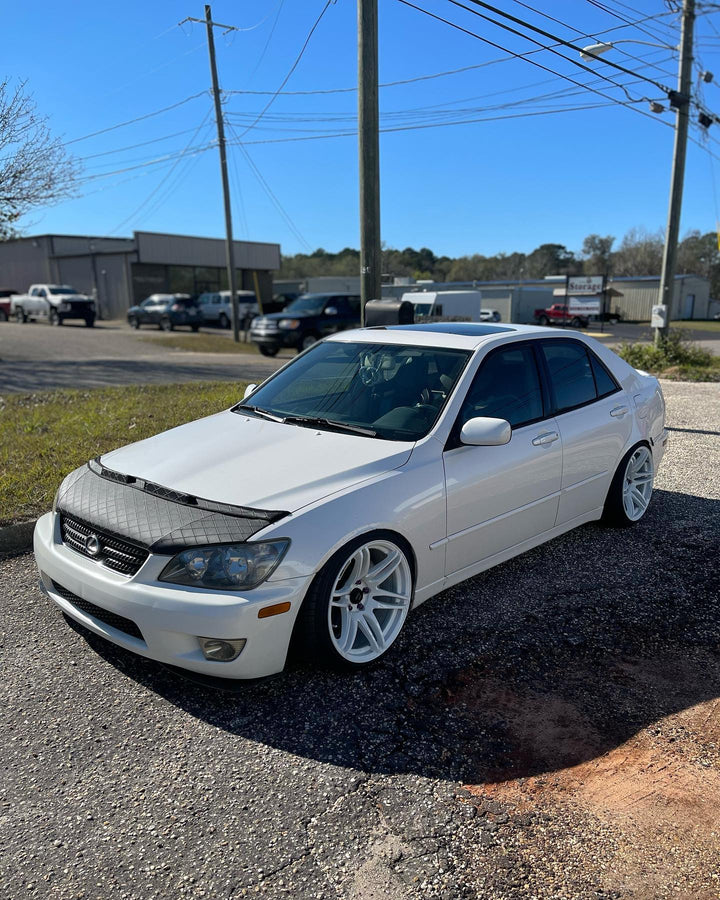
92	545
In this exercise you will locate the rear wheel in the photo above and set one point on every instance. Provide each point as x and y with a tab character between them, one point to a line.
223	321
543	320
195	327
166	324
20	316
575	323
631	488
3	316
358	603
267	351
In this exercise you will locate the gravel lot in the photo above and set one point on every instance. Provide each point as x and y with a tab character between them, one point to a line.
549	729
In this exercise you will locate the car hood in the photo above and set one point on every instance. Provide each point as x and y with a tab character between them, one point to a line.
246	461
286	315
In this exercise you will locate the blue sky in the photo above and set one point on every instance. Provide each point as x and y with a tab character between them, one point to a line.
486	187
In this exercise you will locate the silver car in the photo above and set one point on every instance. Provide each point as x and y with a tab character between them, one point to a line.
216	307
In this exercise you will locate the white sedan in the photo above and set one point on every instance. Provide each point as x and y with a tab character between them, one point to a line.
368	474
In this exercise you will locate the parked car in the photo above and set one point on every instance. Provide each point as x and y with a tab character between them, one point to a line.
560	314
216	307
369	474
304	321
55	303
490	315
5	295
167	311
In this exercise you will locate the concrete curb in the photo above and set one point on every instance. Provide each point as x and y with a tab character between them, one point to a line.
17	537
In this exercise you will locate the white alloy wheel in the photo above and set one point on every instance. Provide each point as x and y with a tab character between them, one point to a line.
369	602
637	483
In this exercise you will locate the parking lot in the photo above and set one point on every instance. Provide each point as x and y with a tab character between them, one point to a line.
548	729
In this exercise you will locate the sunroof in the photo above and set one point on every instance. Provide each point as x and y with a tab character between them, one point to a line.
469	329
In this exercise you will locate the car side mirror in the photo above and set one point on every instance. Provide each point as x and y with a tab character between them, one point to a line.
486	432
248	390
331	311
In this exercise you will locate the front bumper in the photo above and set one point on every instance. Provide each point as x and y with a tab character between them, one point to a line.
170	617
276	339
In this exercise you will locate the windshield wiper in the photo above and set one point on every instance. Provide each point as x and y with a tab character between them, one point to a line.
329	423
261	412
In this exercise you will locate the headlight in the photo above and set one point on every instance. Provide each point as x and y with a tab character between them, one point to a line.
228	567
289	323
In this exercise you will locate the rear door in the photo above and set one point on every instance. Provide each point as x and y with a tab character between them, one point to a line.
498	497
595	422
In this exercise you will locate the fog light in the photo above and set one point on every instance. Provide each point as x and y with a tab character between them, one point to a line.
221	650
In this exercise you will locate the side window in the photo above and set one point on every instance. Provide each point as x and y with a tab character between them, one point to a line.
507	386
604	381
570	374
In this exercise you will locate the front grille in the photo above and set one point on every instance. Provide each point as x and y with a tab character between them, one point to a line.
116	554
127	626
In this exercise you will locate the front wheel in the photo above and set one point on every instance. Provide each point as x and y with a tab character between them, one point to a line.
307	341
134	322
631	488
90	322
575	323
223	321
20	316
267	351
358	603
195	327
166	324
544	321
54	317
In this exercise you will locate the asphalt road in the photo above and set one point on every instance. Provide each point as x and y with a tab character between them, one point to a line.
37	357
447	771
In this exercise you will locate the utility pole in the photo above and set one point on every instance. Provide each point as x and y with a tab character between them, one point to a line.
229	246
682	102
369	151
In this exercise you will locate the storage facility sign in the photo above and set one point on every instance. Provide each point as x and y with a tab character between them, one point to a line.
583	306
587	284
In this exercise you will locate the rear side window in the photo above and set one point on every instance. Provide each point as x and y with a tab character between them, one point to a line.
506	386
604	381
570	374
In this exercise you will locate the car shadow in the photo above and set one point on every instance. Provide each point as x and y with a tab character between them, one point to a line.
547	661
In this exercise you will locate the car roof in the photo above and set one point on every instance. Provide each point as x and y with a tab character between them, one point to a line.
462	335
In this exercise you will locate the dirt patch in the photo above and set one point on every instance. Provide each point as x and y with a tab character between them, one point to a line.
641	817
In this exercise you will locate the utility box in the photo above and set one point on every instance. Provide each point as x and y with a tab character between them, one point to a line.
388	312
659	316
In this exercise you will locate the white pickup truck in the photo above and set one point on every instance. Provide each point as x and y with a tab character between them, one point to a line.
54	302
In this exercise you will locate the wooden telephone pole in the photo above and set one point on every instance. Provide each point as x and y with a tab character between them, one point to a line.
369	147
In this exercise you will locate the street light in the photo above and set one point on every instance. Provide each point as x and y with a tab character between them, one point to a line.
592	51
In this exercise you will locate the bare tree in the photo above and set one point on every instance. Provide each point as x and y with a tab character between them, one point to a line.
35	169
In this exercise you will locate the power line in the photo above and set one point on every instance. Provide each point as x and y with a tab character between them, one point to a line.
267	42
165	137
157	112
601	6
547	34
159	160
292	68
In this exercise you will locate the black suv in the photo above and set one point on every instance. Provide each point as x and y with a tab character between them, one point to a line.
306	320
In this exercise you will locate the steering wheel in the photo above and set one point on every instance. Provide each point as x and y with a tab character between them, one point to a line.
369	375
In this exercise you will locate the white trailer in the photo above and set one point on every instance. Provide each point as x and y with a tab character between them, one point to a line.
451	304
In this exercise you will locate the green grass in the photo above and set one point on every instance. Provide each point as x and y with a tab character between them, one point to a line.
199	343
676	358
43	436
698	325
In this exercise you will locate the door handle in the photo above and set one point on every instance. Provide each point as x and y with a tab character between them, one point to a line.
619	411
548	437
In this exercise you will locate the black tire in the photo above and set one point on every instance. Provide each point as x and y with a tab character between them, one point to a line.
311	636
307	340
195	327
613	320
134	322
614	514
575	323
223	321
267	351
54	317
166	324
90	322
3	316
544	321
20	316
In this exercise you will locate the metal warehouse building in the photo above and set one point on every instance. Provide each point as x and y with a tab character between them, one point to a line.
633	298
123	271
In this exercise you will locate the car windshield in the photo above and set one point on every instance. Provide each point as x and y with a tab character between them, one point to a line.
62	289
312	303
389	391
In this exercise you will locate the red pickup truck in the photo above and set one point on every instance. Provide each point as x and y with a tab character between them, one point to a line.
559	314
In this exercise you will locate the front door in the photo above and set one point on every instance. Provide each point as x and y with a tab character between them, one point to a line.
498	497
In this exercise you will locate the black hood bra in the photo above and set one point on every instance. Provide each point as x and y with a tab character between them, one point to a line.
152	516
